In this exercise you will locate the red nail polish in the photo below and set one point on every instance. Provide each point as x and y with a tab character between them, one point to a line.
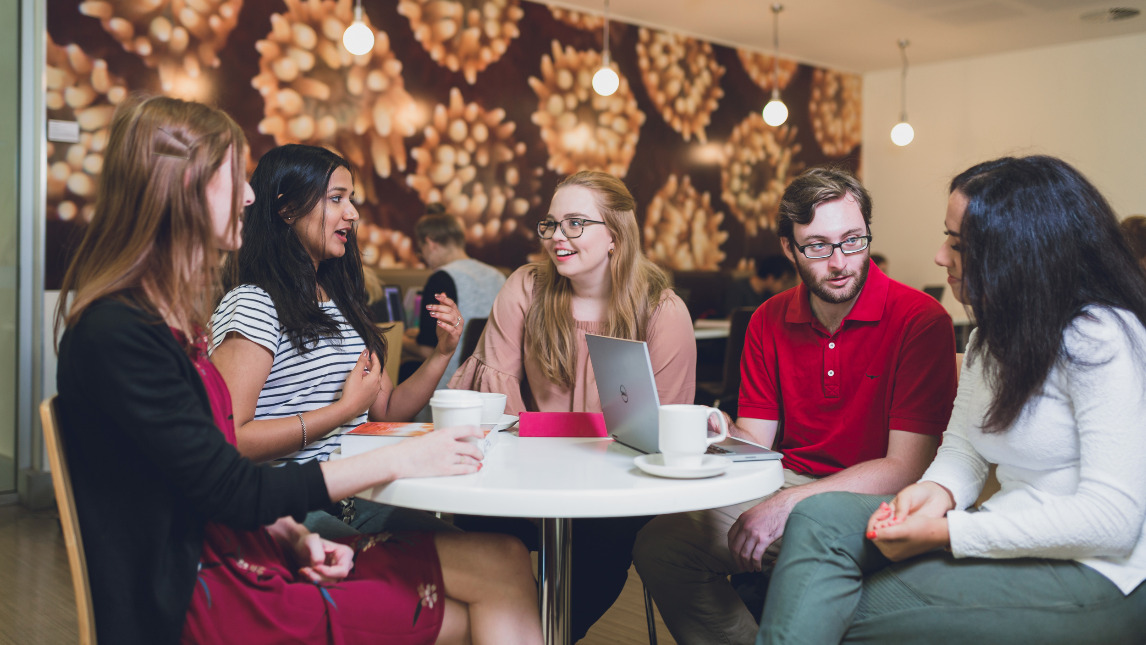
871	535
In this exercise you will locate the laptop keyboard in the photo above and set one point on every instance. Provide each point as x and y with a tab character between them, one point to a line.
717	450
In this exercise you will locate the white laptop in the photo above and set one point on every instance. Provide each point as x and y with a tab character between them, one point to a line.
629	400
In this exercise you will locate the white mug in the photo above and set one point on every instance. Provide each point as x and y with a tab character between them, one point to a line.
684	436
492	407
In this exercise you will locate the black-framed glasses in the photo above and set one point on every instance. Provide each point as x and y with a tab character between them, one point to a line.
572	227
821	250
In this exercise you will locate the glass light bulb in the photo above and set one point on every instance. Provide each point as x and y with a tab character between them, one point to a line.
902	134
775	112
358	38
606	81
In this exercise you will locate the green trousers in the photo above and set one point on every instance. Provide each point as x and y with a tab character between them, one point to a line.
832	585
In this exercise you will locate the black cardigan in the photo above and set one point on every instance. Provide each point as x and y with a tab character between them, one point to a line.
150	469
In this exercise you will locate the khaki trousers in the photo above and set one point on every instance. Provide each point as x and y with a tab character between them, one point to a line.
684	561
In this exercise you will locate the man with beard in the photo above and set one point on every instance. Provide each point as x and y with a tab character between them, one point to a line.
851	375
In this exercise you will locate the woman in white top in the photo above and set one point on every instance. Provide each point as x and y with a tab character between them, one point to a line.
1053	391
293	337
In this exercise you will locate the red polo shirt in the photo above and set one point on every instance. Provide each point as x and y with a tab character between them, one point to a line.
890	366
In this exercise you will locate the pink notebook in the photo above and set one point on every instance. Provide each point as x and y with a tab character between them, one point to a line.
562	424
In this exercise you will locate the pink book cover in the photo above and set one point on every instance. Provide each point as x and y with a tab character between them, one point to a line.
562	424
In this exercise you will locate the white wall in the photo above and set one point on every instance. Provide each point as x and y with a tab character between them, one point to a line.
1085	103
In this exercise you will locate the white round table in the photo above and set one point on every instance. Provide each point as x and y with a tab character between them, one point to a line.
557	479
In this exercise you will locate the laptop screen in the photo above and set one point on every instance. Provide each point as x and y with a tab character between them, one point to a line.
628	391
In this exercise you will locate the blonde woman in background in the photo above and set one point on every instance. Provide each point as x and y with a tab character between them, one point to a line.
594	280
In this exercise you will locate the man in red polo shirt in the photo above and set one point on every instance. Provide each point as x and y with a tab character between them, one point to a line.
850	374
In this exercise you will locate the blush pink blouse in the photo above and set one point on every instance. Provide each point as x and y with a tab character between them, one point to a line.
500	364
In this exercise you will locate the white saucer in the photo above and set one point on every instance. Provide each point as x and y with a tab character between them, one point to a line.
506	421
710	466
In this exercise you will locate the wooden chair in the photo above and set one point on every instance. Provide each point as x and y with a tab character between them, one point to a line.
69	522
393	333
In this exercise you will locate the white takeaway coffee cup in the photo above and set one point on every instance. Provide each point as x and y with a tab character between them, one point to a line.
456	408
683	437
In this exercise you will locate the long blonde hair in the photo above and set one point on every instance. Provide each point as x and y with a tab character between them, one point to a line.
151	240
637	284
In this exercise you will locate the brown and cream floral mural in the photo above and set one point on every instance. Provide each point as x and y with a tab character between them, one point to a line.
482	105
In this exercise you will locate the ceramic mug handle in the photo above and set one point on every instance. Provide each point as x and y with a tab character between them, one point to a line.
723	423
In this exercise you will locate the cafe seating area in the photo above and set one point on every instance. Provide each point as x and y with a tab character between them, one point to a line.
480	107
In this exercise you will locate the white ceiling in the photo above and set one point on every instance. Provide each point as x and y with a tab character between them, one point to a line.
862	35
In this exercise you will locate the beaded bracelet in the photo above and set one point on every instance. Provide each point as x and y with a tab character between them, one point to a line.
303	423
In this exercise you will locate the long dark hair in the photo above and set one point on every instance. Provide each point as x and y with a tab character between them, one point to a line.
288	182
1040	243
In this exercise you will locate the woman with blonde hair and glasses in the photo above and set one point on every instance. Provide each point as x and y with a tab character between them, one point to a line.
186	540
594	280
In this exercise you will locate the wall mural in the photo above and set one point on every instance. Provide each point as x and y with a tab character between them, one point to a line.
483	105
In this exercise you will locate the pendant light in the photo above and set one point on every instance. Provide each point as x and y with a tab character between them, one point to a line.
606	81
358	39
902	133
775	112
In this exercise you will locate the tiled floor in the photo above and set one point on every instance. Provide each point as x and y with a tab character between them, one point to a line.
36	601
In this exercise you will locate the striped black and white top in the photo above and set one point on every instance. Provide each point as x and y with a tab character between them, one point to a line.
297	382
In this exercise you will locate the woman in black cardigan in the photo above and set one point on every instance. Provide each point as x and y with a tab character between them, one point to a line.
173	517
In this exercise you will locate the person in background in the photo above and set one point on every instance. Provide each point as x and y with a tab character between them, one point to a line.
774	274
292	336
1134	228
882	262
186	540
594	280
471	284
1053	391
850	375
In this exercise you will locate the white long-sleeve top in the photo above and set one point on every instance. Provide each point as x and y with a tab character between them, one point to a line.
1072	468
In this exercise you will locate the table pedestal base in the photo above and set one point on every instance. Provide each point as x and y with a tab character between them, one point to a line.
554	559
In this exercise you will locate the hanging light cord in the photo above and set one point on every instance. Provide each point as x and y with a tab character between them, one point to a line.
903	81
776	9
606	57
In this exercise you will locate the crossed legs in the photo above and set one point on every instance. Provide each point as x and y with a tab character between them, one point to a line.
491	596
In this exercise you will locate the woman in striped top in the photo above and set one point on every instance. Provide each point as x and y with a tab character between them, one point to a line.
293	337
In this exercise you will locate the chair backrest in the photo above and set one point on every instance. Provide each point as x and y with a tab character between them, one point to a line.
393	333
69	521
734	348
474	328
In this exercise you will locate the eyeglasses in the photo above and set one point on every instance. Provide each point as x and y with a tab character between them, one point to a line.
821	250
572	227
